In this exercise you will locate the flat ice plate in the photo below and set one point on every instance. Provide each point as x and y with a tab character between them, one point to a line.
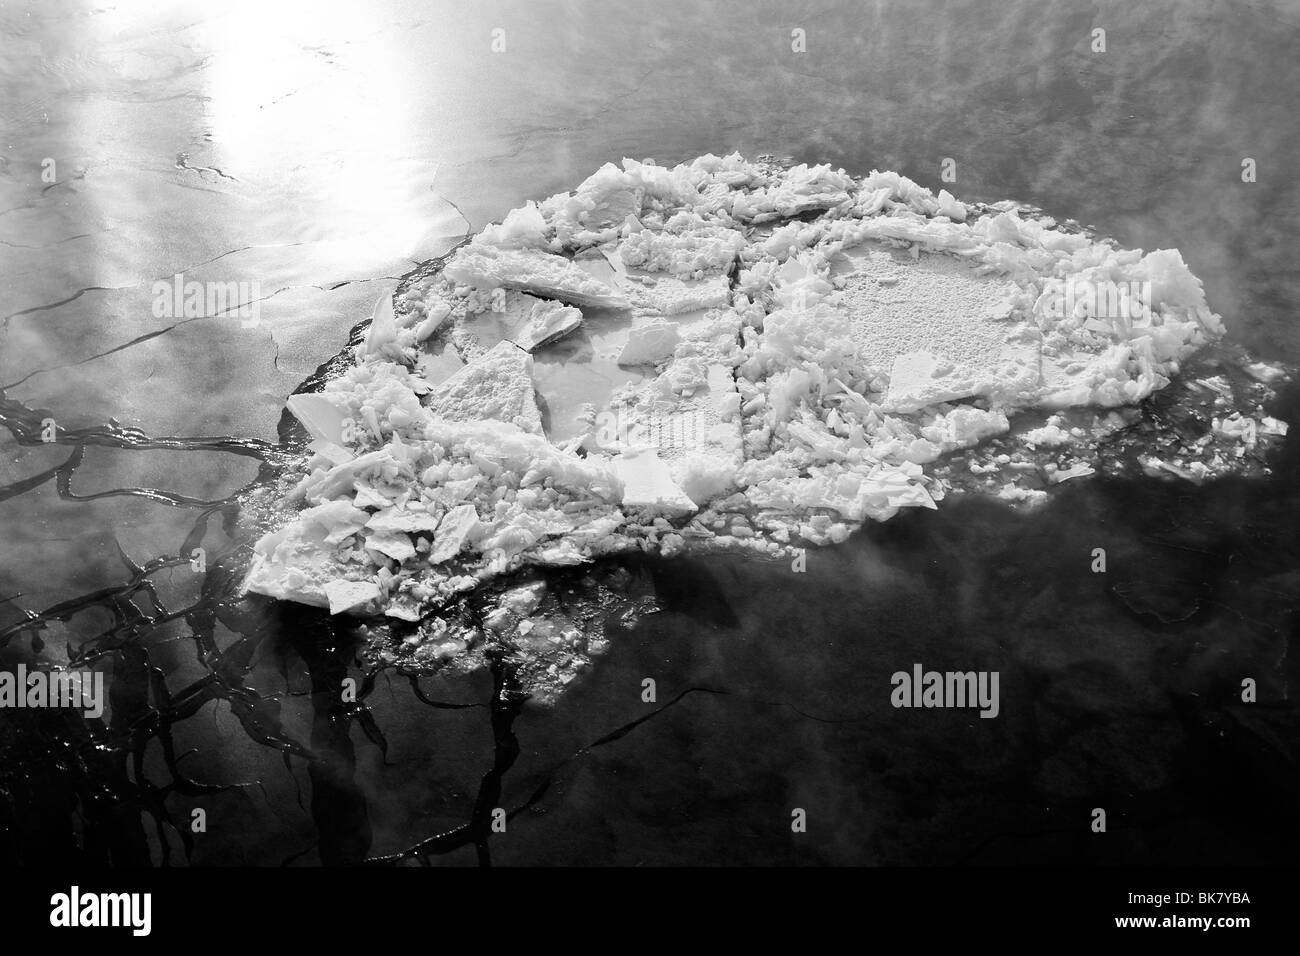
939	305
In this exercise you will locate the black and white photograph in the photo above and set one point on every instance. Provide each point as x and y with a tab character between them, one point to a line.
853	435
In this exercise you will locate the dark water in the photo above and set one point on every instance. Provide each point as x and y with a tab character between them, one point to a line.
322	152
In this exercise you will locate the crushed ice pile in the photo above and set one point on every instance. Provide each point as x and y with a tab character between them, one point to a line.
723	354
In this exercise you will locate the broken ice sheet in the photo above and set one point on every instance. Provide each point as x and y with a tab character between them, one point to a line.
649	343
667	359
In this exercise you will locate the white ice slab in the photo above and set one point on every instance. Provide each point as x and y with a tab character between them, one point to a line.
529	270
647	483
497	385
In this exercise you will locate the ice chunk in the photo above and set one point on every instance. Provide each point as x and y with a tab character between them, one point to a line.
1269	425
950	207
601	266
691	249
330	452
918	379
350	595
552	276
395	545
456	527
383	326
660	294
435	315
497	385
1049	435
334	520
322	418
704	477
1077	470
396	520
1264	372
324	484
606	198
523	228
517	317
544	323
1172	283
649	344
969	426
648	484
294	574
367	496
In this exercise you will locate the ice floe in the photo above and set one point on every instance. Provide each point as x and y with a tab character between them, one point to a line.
720	354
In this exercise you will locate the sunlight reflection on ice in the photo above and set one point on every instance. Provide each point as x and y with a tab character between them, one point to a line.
307	98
